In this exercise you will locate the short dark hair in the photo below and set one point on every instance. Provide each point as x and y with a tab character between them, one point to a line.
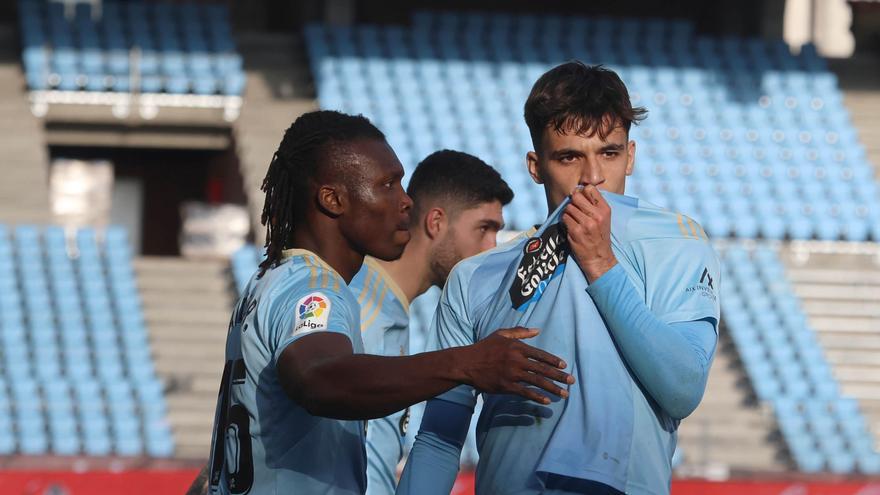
586	99
458	180
307	147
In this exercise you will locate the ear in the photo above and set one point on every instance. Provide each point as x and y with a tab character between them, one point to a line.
435	222
534	167
630	157
332	199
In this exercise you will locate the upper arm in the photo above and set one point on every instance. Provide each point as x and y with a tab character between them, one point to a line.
296	359
452	327
320	324
682	279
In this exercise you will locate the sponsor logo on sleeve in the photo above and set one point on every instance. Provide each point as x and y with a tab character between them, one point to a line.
312	313
705	287
543	258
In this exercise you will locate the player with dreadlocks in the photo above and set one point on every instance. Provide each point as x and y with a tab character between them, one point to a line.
297	386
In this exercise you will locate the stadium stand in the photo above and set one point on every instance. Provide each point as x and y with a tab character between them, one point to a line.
823	428
752	141
279	87
77	376
145	47
186	307
25	182
741	133
839	286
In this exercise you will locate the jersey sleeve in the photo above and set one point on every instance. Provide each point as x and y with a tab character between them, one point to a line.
452	327
308	311
682	278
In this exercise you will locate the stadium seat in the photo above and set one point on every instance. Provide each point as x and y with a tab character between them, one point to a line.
85	54
757	137
53	364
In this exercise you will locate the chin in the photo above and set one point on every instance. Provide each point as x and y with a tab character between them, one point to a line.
395	250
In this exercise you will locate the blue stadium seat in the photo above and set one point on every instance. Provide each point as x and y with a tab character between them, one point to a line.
53	364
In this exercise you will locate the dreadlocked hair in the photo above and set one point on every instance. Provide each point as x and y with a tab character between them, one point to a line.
295	164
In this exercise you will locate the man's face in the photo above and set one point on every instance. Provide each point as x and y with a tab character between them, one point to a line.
377	218
468	233
566	159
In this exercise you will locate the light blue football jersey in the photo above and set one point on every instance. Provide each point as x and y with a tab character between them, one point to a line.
263	442
608	430
385	330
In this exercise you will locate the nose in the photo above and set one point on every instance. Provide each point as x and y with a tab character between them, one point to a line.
406	203
591	173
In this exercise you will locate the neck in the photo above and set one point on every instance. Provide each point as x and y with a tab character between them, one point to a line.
330	245
412	271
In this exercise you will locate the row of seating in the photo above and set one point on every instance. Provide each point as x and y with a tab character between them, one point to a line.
76	374
758	146
150	47
823	429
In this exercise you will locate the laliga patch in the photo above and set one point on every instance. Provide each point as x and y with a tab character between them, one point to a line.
312	313
542	259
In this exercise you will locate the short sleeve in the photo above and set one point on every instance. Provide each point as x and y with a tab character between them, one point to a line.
682	279
452	327
312	311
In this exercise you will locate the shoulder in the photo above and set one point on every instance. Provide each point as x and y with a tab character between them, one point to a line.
489	266
304	280
650	221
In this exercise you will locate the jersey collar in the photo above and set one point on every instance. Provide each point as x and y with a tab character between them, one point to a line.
392	284
292	253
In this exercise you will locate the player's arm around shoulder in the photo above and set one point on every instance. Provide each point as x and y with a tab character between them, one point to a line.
319	368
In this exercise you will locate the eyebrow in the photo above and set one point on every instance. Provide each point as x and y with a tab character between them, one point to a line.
492	223
611	147
566	151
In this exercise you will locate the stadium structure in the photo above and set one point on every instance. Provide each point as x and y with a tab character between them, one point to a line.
136	133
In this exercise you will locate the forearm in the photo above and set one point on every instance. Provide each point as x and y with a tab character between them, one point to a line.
431	467
363	386
670	360
433	462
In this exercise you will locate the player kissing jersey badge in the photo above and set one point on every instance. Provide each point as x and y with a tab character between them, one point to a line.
543	258
312	313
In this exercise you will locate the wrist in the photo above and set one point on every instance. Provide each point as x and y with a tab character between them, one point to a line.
459	360
596	268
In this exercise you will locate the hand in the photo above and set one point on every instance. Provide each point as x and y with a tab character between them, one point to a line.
588	222
501	364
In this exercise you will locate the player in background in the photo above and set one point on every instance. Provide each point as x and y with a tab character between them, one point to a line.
296	385
457	200
636	314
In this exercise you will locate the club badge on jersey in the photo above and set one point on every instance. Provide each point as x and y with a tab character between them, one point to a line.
543	258
312	313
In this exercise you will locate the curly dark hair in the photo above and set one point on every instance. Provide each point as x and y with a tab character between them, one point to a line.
579	98
304	150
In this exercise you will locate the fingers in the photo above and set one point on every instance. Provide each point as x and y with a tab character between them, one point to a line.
543	356
550	372
592	194
545	384
518	333
529	393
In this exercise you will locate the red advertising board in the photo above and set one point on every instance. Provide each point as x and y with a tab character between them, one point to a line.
151	482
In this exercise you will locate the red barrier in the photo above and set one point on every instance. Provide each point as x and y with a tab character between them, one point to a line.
151	482
96	482
695	487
